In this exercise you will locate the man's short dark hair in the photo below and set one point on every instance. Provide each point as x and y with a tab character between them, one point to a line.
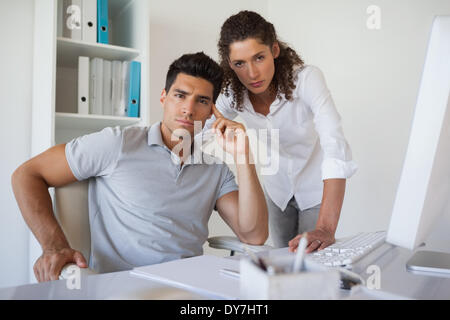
196	65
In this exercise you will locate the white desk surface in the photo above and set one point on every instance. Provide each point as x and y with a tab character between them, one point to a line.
395	279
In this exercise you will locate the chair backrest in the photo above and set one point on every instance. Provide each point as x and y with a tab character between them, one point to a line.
72	212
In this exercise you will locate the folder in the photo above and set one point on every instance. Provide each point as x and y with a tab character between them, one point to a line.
83	85
116	89
96	86
89	21
102	21
107	103
134	89
125	84
72	15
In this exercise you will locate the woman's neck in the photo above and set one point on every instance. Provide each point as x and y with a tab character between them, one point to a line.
263	99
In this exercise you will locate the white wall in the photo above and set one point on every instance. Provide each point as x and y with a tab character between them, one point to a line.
16	32
373	76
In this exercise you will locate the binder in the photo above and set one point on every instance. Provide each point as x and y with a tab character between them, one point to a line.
116	89
83	85
96	86
134	89
72	15
102	21
107	102
125	84
89	21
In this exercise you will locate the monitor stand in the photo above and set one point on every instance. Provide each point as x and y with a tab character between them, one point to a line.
429	261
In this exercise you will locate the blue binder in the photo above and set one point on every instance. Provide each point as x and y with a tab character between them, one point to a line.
134	89
102	21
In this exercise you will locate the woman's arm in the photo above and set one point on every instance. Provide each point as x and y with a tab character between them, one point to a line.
337	165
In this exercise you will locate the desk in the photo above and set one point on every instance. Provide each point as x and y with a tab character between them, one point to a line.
391	260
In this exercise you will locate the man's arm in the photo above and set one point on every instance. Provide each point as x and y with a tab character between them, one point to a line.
245	211
30	184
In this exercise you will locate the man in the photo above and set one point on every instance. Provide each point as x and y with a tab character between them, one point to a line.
145	208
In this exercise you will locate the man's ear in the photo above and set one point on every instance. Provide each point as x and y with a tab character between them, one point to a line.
276	49
163	97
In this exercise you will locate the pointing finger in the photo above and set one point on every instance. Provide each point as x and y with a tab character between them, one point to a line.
216	112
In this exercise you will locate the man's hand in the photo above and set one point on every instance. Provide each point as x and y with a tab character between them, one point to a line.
318	239
49	265
231	135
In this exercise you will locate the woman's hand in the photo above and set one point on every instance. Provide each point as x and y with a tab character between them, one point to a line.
318	239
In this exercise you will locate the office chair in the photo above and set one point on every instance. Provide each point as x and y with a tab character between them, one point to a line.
72	212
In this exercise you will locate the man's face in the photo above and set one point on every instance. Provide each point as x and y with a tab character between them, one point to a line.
189	99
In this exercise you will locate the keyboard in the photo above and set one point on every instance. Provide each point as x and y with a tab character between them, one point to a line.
345	252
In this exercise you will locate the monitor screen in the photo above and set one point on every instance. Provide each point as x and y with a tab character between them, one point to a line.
424	189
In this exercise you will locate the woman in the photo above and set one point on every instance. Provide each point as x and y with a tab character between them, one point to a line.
269	86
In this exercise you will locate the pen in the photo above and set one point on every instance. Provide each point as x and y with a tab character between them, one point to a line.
298	261
230	273
257	260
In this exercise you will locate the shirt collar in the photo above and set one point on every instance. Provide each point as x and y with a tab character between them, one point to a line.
154	135
155	138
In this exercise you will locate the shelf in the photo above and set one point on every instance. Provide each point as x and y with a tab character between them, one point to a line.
69	50
91	122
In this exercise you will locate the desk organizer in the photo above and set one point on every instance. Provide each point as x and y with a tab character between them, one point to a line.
314	281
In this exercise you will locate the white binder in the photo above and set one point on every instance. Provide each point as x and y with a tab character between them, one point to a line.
125	83
107	103
89	21
116	88
96	86
83	85
72	19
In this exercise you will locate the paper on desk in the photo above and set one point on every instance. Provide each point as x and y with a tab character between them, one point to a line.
198	274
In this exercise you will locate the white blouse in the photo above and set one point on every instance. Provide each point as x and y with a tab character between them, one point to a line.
312	146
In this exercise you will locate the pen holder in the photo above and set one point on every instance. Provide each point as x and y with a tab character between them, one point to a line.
313	282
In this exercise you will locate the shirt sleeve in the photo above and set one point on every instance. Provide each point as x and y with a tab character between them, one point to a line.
337	162
228	183
224	106
94	154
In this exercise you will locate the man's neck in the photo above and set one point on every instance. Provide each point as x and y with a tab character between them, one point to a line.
167	134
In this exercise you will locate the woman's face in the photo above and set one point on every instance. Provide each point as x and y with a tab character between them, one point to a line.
253	63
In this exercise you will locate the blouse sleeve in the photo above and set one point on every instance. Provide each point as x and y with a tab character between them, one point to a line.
337	162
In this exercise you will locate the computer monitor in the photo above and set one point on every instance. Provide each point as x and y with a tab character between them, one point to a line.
424	190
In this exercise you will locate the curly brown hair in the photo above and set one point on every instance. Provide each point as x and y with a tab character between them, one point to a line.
249	24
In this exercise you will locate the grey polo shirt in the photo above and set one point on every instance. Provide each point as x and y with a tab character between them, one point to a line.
143	207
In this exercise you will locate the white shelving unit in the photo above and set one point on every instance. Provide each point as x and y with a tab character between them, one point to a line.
69	50
55	75
55	118
91	122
